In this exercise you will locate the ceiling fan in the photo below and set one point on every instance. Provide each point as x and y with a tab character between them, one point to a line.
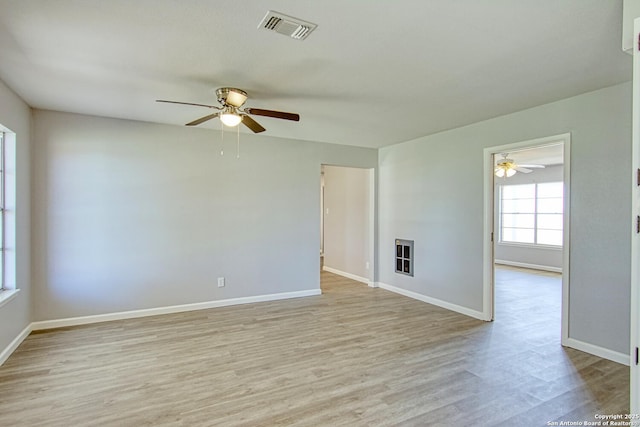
506	167
231	112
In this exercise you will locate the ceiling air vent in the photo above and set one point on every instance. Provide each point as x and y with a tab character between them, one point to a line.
287	25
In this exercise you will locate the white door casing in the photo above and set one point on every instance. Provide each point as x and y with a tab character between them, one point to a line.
635	214
489	222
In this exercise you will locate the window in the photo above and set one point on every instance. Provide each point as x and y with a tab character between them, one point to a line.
8	285
531	213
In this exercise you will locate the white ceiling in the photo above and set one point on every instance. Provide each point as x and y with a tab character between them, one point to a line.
373	73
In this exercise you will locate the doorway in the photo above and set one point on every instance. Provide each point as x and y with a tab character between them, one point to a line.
527	217
347	222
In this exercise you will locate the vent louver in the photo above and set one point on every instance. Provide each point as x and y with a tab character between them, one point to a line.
287	25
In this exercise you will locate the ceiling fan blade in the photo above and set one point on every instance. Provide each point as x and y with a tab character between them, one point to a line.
252	124
271	113
523	170
203	119
532	166
187	103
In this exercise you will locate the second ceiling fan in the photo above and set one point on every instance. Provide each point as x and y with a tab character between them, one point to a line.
506	167
231	112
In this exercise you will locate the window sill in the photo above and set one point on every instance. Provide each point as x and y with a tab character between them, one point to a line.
8	295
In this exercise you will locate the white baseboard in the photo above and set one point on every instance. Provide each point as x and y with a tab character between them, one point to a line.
83	320
434	301
73	321
605	353
15	343
58	323
347	275
531	266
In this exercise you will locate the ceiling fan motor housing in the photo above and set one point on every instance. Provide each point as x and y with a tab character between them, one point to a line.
231	96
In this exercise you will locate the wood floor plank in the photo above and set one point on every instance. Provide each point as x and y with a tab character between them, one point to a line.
352	356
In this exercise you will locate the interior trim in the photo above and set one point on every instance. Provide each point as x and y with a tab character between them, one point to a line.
531	266
8	351
605	353
434	301
345	274
83	320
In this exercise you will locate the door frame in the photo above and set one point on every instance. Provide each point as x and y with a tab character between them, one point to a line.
634	339
488	302
321	210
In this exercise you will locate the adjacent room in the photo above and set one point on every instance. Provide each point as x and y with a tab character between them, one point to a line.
530	228
315	213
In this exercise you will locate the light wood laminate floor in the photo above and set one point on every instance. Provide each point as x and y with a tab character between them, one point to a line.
355	356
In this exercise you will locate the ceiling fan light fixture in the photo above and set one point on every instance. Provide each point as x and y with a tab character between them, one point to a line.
230	117
231	96
505	170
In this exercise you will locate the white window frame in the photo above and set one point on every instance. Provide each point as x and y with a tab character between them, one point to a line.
535	214
8	285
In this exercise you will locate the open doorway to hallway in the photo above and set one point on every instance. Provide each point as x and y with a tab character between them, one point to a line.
346	225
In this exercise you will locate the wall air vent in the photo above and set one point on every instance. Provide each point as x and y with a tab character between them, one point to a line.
404	257
287	25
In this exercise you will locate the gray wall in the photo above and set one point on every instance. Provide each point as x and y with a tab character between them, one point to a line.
131	215
346	220
537	256
16	314
431	190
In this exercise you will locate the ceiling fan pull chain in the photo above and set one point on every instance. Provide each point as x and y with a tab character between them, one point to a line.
221	139
238	143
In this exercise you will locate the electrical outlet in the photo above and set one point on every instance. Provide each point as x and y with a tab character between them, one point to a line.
366	265
221	282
